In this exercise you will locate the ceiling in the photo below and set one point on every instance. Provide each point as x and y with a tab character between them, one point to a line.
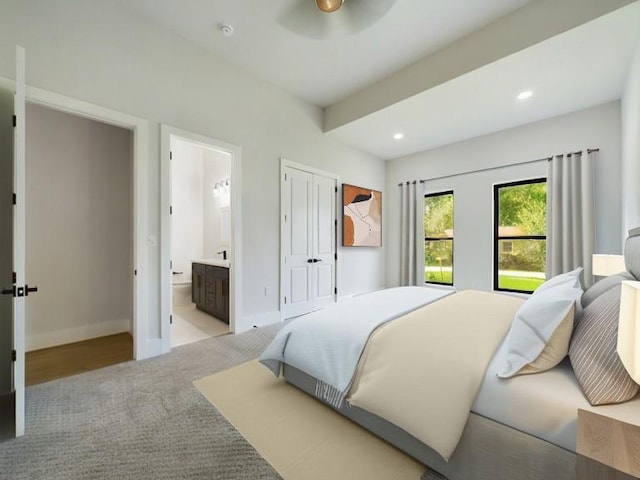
582	67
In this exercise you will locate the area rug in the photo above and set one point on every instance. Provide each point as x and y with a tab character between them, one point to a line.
298	435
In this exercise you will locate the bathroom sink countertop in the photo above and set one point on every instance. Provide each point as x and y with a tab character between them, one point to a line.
216	262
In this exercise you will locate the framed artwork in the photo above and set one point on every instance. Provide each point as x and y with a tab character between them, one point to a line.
362	217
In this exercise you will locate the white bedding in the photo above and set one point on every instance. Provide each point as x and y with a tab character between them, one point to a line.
327	344
544	405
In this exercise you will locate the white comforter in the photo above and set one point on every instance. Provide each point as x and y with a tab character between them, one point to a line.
327	344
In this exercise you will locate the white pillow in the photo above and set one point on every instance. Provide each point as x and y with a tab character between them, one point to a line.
535	333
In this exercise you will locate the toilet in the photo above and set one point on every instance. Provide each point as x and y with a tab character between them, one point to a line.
181	290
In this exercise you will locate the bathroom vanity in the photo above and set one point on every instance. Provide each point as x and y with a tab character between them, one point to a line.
210	287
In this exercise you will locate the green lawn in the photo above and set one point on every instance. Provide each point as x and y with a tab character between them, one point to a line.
444	277
519	283
507	282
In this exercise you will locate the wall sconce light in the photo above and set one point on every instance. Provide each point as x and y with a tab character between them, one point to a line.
222	187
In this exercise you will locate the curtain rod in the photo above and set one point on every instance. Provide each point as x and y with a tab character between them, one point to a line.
547	159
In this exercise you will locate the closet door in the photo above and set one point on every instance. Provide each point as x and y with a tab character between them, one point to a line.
308	237
297	242
324	241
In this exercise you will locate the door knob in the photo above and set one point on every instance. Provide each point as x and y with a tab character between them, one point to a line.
19	291
28	289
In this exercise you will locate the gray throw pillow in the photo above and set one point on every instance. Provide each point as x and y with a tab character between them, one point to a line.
602	286
593	354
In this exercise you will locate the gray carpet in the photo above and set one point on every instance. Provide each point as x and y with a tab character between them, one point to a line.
139	420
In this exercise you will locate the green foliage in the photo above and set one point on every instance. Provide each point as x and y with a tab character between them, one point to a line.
525	207
438	215
526	255
438	222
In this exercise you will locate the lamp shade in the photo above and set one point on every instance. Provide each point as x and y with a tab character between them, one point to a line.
629	328
604	265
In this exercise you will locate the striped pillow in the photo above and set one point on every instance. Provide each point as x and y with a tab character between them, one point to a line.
593	355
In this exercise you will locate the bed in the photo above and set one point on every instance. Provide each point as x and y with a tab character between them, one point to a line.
473	399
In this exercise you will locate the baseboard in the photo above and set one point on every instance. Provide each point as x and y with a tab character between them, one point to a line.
39	341
155	347
258	320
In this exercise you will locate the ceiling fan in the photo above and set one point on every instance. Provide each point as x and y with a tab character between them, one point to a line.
320	18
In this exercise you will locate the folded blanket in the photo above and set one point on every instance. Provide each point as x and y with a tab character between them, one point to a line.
327	344
423	371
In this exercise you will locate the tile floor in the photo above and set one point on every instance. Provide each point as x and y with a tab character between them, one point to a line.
190	325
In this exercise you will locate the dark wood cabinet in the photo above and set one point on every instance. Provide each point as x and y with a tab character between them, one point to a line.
211	290
197	284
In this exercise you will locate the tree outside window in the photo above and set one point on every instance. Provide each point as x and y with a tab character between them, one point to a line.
438	238
520	234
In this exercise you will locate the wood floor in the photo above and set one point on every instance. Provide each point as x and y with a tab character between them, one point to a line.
66	360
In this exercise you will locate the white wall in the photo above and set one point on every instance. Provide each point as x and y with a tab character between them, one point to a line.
597	127
217	168
78	228
187	201
631	147
101	53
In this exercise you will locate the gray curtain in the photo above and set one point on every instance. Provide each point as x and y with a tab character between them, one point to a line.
408	232
570	214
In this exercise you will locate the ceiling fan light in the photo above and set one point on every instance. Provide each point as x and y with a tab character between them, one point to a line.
329	6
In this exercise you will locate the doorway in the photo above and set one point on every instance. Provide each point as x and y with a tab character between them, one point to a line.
200	240
79	243
143	344
200	237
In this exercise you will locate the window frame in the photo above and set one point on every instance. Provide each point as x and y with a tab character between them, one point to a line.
435	239
496	226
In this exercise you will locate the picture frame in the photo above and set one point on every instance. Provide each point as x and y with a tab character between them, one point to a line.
362	216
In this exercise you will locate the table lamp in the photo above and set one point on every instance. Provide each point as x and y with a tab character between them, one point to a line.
629	328
604	265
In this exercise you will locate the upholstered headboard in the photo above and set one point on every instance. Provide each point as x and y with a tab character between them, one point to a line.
632	253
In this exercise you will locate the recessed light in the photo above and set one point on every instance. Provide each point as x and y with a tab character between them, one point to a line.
524	95
398	136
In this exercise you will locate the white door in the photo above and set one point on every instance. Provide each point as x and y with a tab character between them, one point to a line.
323	268
22	288
12	281
308	236
7	393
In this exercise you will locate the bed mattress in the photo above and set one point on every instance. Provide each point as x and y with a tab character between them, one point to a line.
544	405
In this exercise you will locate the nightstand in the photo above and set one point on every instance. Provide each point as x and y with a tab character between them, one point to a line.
608	448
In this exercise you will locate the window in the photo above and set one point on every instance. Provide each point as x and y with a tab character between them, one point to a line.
520	235
438	238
